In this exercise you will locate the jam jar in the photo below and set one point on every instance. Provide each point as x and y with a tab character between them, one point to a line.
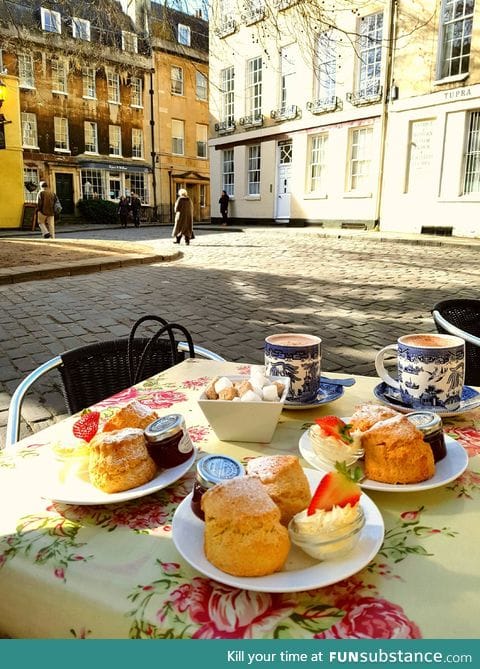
212	469
168	441
430	425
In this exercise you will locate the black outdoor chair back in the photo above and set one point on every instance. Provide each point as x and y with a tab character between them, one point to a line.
461	317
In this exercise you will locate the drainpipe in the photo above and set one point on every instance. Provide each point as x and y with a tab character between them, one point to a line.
152	153
387	89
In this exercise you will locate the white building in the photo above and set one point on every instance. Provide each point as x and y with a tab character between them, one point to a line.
372	122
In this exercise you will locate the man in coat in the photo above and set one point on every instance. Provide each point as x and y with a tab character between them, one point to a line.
46	210
183	218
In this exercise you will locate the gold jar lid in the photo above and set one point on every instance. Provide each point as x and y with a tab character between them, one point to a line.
426	421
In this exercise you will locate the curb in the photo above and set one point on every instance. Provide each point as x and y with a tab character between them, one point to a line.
53	270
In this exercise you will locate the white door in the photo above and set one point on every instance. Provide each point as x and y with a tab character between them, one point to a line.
283	180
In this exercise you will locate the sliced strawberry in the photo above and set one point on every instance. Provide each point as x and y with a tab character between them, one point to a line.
86	427
334	426
336	488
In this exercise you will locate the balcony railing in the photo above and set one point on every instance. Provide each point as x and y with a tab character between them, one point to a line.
366	96
324	105
225	127
226	28
287	113
253	15
252	121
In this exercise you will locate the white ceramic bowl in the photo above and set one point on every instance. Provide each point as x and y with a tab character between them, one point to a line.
244	421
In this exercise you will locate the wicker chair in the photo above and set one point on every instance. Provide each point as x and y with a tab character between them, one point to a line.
462	318
93	372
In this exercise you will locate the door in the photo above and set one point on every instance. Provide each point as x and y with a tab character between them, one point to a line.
64	191
283	179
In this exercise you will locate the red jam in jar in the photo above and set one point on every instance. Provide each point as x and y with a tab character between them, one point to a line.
430	425
168	441
212	469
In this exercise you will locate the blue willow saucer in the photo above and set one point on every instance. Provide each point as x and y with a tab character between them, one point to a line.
327	392
392	397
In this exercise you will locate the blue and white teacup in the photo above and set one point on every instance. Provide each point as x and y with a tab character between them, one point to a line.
297	356
431	370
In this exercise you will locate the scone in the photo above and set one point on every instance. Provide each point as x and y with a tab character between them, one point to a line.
134	414
367	415
243	533
395	452
119	460
284	480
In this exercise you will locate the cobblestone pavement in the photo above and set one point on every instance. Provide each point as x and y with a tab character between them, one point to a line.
230	289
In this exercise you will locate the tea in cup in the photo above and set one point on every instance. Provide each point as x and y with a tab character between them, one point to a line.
431	370
297	356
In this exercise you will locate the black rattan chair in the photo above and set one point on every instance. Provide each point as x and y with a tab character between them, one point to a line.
462	318
93	372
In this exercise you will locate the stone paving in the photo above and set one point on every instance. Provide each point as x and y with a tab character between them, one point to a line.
230	289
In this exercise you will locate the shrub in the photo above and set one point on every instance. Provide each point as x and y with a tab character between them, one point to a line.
98	211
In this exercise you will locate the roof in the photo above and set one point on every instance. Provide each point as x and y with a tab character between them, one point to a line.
164	23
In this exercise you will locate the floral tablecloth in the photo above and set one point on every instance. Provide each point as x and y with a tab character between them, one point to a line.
112	571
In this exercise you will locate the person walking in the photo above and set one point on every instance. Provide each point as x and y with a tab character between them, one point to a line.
136	207
223	202
46	210
123	210
183	218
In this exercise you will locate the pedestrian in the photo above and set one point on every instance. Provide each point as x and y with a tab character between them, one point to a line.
183	218
135	206
124	211
46	201
223	202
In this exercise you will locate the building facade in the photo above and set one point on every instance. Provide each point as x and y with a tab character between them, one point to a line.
82	73
180	114
11	185
345	116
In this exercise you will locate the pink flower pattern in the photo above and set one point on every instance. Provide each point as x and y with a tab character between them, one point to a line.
119	399
162	399
468	437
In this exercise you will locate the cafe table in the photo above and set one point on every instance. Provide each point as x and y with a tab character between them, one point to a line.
112	570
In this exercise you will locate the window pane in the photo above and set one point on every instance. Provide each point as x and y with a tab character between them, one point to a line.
455	32
228	179
254	170
472	156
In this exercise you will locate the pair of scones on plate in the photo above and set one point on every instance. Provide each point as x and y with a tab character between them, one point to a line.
246	517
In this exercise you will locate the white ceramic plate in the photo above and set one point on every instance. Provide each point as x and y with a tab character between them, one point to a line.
446	470
301	572
61	484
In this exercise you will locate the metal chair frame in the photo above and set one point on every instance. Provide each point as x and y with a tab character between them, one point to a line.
15	407
453	330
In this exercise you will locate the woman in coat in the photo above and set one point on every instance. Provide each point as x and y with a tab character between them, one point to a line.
183	218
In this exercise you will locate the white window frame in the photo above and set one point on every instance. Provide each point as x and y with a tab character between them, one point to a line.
59	76
60	131
129	42
26	73
96	183
201	131
253	86
51	20
318	165
81	29
30	174
90	134
288	69
201	86
176	80
326	66
113	87
228	94
89	83
254	160
455	27
114	140
178	137
360	159
137	143
183	34
30	133
370	54
228	172
136	92
471	176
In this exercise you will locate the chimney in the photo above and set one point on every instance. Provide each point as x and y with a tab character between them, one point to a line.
198	14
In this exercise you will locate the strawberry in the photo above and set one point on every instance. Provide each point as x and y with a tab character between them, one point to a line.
337	488
86	427
334	426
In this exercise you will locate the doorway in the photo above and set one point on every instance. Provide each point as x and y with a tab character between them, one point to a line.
284	170
64	191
